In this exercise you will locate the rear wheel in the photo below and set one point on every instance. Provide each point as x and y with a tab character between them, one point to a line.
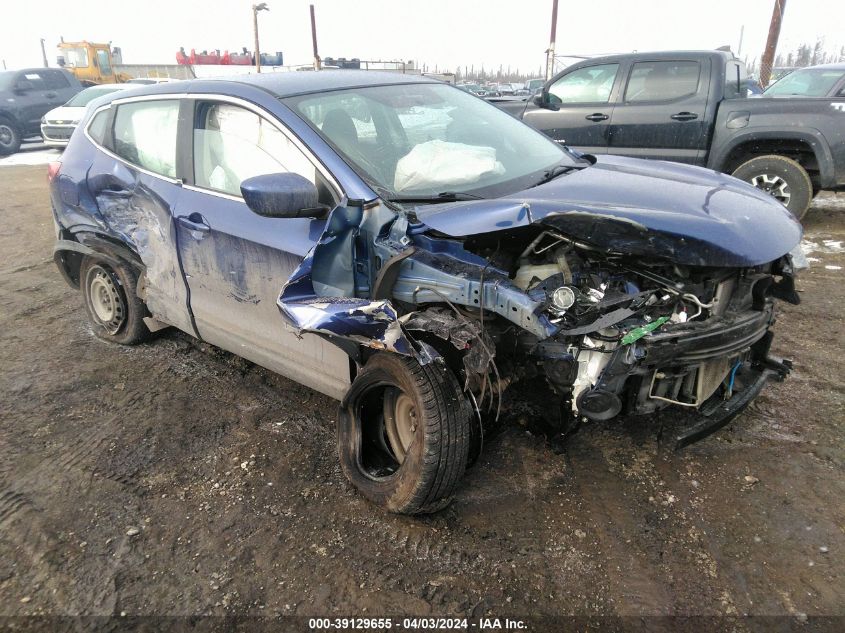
404	434
10	137
114	309
782	178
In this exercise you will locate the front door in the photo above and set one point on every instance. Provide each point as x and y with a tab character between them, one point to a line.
662	113
579	108
235	261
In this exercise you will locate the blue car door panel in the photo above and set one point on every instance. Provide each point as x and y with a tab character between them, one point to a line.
236	262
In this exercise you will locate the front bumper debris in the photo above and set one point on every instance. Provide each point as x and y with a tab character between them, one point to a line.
717	413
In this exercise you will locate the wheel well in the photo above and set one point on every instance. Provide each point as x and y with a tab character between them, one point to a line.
69	260
798	150
69	263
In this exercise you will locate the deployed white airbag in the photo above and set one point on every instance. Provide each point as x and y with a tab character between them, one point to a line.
436	164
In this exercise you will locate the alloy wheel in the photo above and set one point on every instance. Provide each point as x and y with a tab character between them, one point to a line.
773	185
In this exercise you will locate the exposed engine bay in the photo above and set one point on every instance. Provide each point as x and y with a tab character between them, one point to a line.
629	336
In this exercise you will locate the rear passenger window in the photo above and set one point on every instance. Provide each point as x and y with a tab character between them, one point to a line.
36	80
736	80
97	127
145	135
662	81
55	80
232	144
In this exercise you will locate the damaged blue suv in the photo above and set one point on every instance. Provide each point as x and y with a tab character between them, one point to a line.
423	257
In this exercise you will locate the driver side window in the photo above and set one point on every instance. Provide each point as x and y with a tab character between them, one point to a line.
585	85
232	144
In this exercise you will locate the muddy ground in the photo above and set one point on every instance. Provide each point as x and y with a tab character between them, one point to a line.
176	479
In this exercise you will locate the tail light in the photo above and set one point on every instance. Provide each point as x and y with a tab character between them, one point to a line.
53	169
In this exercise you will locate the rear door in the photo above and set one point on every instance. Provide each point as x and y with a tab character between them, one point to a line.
662	111
58	83
53	87
135	183
30	102
579	108
235	261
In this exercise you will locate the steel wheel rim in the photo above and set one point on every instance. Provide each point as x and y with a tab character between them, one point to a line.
6	135
400	422
106	299
773	185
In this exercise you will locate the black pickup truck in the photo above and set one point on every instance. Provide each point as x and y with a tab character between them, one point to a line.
25	96
690	107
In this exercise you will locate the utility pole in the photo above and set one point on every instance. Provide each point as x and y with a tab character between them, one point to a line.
44	54
741	34
255	9
314	39
550	53
771	43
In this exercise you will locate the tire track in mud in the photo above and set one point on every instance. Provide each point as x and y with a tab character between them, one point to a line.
417	543
632	572
23	525
427	560
18	493
11	502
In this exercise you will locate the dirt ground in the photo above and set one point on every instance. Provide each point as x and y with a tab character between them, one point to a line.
176	479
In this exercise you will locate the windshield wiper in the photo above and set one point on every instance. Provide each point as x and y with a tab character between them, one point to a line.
554	172
443	196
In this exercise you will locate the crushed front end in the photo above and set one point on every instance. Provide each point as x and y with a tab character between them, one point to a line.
606	333
533	312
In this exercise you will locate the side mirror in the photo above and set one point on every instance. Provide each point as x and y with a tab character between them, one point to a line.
544	100
23	86
282	196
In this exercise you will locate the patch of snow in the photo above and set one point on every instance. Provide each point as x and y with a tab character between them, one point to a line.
31	154
822	246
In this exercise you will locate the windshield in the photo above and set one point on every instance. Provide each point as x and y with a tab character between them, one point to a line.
426	139
89	94
806	82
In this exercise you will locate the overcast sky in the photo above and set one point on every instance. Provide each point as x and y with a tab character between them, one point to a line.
446	33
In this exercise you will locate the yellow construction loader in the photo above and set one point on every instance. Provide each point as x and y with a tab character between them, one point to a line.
91	63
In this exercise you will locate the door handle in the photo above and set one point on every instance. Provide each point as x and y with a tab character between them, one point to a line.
194	222
684	116
597	116
50	95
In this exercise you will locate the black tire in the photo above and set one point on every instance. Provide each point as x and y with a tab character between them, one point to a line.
424	479
783	178
10	137
108	290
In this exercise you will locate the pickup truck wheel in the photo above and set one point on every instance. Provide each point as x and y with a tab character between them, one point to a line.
114	309
10	138
782	178
404	434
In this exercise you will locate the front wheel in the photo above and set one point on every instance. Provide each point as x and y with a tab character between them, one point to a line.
782	178
404	434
